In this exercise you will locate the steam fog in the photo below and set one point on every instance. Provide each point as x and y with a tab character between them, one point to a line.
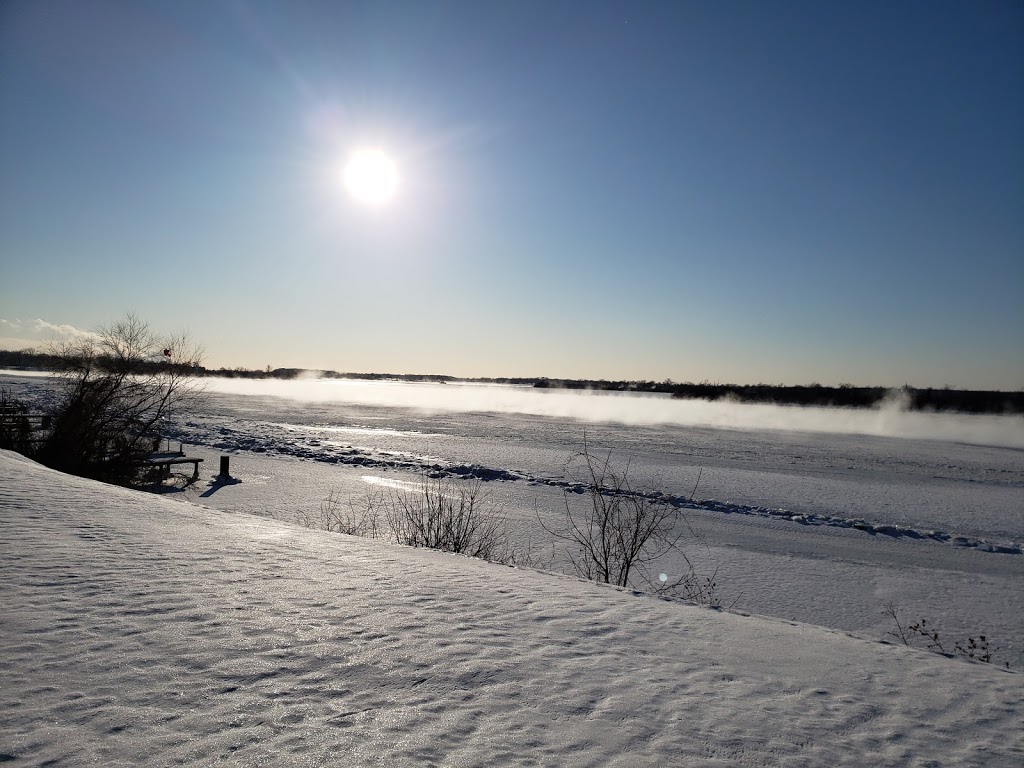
889	420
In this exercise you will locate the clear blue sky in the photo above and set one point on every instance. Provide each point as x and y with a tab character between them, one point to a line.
734	191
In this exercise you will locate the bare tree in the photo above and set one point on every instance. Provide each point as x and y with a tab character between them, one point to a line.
617	537
117	387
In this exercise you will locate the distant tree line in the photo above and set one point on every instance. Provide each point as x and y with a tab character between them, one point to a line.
845	395
849	396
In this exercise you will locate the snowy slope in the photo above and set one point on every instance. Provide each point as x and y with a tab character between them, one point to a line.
142	631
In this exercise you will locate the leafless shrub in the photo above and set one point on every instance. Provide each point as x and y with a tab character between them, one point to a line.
977	648
525	556
344	516
440	513
447	515
618	536
693	587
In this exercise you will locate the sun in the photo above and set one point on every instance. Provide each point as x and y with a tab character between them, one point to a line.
371	176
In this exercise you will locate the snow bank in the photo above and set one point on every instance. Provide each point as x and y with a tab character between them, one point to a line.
142	631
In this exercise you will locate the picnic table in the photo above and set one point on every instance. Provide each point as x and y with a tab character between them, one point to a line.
162	461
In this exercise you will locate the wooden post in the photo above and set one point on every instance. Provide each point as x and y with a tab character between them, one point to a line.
224	467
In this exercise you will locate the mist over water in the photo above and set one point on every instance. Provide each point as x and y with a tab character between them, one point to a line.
889	420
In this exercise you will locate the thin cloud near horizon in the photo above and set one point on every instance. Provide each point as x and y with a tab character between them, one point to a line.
28	334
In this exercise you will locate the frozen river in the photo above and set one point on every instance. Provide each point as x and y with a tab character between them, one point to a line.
955	483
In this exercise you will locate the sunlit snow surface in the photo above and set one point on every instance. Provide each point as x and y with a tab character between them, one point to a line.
137	630
824	526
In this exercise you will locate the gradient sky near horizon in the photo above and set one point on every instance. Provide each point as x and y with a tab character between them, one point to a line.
783	192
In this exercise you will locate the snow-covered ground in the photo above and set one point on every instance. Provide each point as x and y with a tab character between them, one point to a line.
139	630
824	522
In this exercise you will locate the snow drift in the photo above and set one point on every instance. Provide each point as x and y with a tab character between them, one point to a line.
142	631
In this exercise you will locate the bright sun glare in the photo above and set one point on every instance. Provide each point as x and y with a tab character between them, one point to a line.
371	176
